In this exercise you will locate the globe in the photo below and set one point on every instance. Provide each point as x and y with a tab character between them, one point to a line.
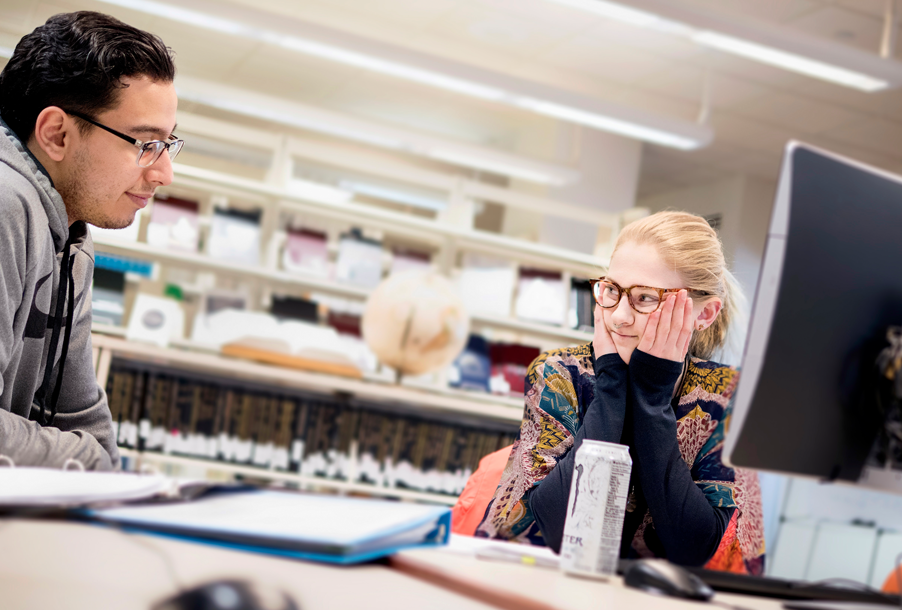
415	322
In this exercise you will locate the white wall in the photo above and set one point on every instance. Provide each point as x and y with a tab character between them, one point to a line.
744	204
836	531
609	169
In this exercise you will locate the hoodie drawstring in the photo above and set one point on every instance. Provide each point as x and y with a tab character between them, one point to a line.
66	285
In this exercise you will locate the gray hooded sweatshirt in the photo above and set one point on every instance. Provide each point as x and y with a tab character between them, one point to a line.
36	246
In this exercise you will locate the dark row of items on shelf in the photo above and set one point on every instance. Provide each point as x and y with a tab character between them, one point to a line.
167	411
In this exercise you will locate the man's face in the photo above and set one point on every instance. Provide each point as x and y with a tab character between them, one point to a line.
101	183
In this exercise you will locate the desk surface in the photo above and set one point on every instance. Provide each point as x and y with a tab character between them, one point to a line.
536	588
50	564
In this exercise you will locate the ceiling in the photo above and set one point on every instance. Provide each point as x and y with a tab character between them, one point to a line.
754	109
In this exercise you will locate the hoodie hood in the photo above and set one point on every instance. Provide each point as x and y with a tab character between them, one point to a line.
14	154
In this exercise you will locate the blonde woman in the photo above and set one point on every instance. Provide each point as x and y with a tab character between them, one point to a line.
663	309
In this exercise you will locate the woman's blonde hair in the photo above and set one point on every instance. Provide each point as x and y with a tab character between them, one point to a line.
689	245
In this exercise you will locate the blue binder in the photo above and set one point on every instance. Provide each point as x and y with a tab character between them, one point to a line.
308	526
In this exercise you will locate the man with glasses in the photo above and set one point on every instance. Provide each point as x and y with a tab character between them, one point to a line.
87	111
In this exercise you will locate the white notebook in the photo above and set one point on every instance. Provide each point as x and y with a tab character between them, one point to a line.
51	487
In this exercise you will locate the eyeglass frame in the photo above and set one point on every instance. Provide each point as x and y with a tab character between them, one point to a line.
139	144
629	297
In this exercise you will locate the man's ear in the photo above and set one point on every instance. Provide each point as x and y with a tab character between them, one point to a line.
709	313
53	132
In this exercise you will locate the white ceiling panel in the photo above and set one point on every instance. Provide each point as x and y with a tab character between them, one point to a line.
498	30
570	80
204	54
282	73
718	156
15	15
409	13
843	27
761	165
868	103
389	25
891	107
664	45
879	135
749	134
768	10
540	11
601	58
854	152
796	114
874	8
660	104
687	83
649	186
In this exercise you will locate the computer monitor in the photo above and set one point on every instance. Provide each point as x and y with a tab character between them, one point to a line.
830	285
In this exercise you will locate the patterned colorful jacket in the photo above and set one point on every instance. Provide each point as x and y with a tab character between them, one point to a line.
561	385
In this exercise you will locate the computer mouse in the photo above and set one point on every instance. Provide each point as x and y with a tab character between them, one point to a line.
663	578
228	595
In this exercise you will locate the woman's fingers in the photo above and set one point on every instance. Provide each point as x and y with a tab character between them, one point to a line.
676	320
663	333
602	343
686	330
669	329
646	344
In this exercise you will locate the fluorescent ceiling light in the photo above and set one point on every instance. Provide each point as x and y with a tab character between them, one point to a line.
429	70
624	128
753	39
241	101
627	14
791	61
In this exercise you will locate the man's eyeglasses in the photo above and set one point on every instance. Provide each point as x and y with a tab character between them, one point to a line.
644	299
148	152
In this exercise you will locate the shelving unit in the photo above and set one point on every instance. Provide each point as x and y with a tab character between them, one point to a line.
187	357
313	283
447	236
160	460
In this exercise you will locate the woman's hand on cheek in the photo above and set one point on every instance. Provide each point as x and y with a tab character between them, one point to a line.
602	343
669	329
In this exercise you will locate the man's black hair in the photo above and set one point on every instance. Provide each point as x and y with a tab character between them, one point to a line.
77	61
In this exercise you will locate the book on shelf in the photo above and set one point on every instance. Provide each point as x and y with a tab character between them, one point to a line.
582	306
486	285
285	307
540	296
174	224
359	260
174	413
108	296
235	236
283	342
510	362
407	259
471	370
306	252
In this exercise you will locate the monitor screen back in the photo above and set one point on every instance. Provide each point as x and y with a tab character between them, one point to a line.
831	284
